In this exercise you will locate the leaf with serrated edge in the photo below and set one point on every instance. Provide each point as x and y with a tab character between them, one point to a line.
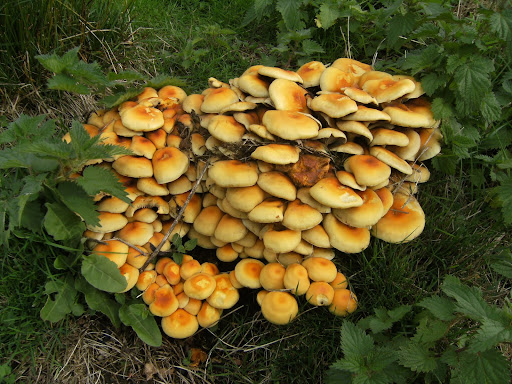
502	263
417	357
63	303
489	367
328	15
490	334
354	340
79	202
99	301
291	14
440	307
103	274
62	82
147	329
97	179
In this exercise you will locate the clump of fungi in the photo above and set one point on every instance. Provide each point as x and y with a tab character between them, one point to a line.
274	169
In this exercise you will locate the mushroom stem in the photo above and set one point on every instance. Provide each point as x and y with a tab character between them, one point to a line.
176	220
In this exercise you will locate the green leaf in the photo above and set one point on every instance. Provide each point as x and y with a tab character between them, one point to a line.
469	299
328	15
61	300
128	76
57	64
441	109
432	82
417	357
291	13
336	376
79	202
430	330
62	82
61	223
490	334
56	149
354	340
161	81
504	195
145	326
502	263
501	24
440	307
98	179
489	367
400	26
103	274
472	81
119	97
99	301
490	108
310	47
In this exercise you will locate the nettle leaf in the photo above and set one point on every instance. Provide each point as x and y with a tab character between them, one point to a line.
440	307
469	299
334	375
441	109
88	72
430	330
48	149
417	357
490	334
103	273
472	80
61	223
354	340
99	301
328	15
489	367
291	13
501	24
128	76
61	300
502	263
76	199
309	47
63	82
25	128
504	195
490	108
57	64
97	179
137	317
432	82
445	163
161	81
400	26
32	185
80	139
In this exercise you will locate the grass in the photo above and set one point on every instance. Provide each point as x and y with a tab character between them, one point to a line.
197	40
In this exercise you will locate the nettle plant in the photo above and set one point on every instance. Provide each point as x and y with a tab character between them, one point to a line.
461	56
47	193
454	337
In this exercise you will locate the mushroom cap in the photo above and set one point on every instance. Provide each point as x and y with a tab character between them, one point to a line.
270	210
151	187
142	118
320	269
310	73
172	91
279	307
287	95
384	136
165	302
230	229
300	217
367	169
416	113
320	293
189	268
330	192
279	73
391	159
233	173
114	250
180	324
169	164
207	220
112	204
340	281
430	145
199	286
145	279
296	278
245	198
335	80
343	303
218	98
365	215
277	184
334	105
367	114
420	173
277	153
133	166
281	241
388	89
288	258
304	195
226	253
171	272
148	296
247	272
193	103
290	125
348	179
409	151
193	306
344	237
359	95
191	210
386	197
226	129
208	316
131	275
225	295
272	276
404	221
317	236
136	232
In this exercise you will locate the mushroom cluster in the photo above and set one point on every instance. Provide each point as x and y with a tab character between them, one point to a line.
288	166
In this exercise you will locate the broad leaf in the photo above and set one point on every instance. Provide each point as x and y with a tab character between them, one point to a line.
502	263
489	367
501	24
491	333
399	27
504	194
291	13
354	340
103	274
490	108
119	97
432	82
472	81
79	202
440	307
99	301
136	316
57	64
417	357
61	300
62	82
61	223
328	15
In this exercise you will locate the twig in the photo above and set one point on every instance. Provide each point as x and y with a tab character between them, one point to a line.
176	220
